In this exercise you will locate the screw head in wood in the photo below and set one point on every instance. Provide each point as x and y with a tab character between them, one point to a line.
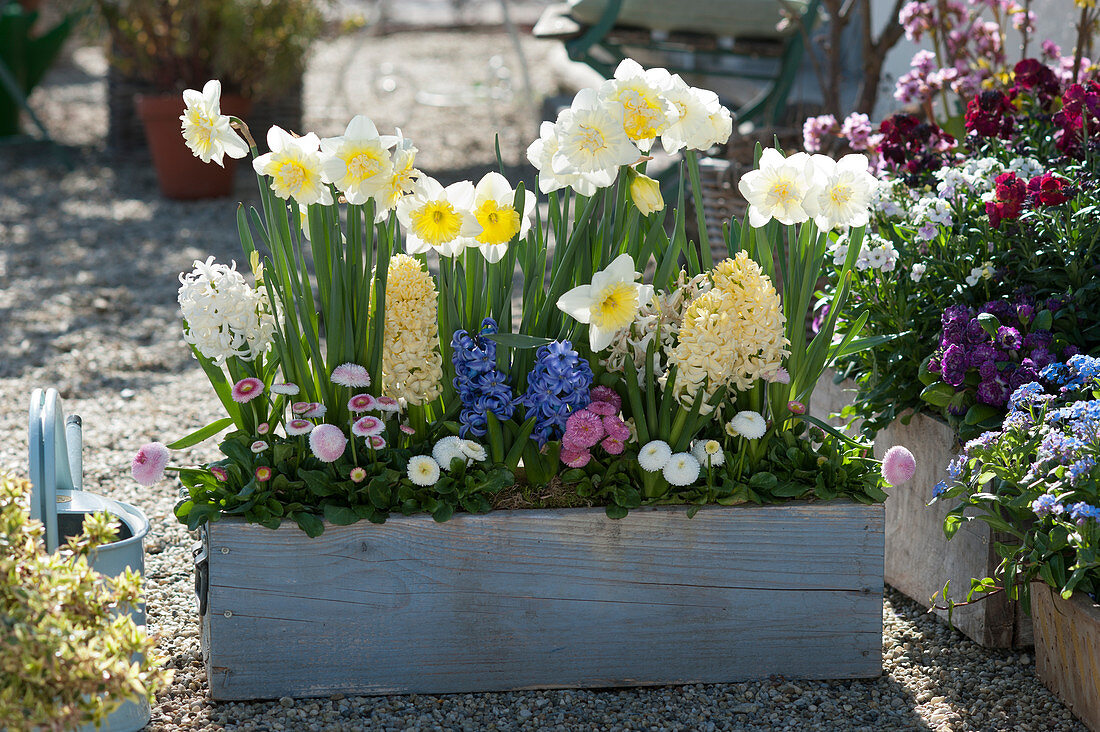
225	550
228	613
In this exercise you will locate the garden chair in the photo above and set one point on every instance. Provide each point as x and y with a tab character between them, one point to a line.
741	39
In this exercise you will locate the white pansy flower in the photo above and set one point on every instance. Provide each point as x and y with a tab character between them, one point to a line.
843	197
646	111
591	138
295	167
777	189
223	316
358	162
609	304
541	153
206	130
438	218
495	213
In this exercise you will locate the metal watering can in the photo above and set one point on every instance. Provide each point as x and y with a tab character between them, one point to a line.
58	501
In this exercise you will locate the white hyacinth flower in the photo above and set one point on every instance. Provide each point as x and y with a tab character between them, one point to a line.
640	93
541	153
591	137
438	218
358	162
609	304
295	167
844	195
223	316
206	130
778	188
494	210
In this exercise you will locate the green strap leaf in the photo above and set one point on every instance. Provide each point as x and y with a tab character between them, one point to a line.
201	434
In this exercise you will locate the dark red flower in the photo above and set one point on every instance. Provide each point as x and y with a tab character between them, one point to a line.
911	146
990	114
1080	111
1048	189
1010	193
1037	78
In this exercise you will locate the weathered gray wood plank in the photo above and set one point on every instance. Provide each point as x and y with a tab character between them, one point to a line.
1067	650
920	559
528	599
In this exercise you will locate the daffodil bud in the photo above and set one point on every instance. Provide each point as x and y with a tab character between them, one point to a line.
646	193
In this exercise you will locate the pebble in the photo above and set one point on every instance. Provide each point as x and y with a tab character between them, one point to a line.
98	253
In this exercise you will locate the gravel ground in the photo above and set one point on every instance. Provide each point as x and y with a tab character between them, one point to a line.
88	262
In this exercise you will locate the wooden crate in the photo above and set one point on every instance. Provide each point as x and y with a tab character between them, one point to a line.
1067	650
545	599
919	558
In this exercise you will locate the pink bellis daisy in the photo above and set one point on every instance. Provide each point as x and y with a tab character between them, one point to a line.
376	442
782	376
604	409
898	465
386	404
351	375
367	426
616	429
327	442
263	428
612	445
357	475
316	411
297	427
285	388
247	389
300	407
219	472
361	403
259	446
407	429
584	429
606	394
149	463
575	458
796	407
264	474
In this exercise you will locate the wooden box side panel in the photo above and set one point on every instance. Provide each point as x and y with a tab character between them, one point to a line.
920	559
1067	650
539	599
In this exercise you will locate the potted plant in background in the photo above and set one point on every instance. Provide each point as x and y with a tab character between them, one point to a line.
256	48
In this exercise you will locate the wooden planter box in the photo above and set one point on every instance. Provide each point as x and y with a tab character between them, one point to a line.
919	559
1067	649
544	599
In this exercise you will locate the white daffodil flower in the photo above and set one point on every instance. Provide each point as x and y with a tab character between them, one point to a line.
777	189
844	197
591	137
206	130
541	153
295	167
358	162
438	218
646	111
609	304
694	106
494	210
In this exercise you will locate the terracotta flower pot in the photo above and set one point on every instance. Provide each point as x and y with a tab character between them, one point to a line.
180	174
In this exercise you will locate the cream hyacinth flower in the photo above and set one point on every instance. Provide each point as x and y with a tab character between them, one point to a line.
609	304
646	111
541	153
438	218
494	211
412	368
844	196
777	189
358	162
205	129
294	165
591	137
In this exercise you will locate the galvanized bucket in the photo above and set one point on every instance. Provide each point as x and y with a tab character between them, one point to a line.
59	502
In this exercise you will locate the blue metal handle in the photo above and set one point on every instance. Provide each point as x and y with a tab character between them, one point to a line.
53	459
